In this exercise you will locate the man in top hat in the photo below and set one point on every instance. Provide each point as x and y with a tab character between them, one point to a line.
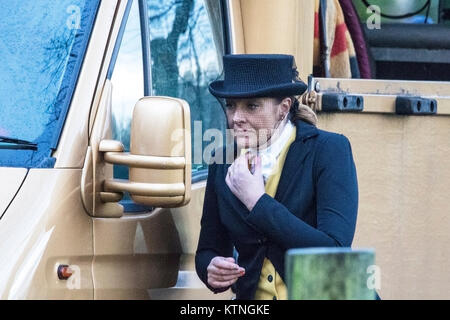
301	192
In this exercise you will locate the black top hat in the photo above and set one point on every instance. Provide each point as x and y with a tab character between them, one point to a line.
258	75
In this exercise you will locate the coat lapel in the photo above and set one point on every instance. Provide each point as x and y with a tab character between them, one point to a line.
297	152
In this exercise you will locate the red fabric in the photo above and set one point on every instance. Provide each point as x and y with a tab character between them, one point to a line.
340	41
341	56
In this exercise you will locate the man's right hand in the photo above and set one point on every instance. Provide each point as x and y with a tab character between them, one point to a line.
223	272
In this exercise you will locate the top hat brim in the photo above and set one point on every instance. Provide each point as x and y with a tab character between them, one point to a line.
218	89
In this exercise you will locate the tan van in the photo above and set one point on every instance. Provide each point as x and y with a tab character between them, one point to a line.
105	121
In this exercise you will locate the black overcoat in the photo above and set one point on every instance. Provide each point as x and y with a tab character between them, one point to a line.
315	205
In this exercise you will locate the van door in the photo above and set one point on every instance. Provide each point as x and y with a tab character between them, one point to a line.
164	49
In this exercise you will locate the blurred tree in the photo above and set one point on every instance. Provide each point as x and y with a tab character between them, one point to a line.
164	51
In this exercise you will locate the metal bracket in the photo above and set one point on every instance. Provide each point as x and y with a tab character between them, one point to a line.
332	102
415	105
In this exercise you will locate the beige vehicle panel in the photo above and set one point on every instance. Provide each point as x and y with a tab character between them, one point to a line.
187	221
403	172
45	226
12	178
151	256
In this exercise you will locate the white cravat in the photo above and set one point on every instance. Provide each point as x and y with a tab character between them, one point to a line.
269	155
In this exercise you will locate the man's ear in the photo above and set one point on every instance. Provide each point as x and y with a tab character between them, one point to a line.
285	105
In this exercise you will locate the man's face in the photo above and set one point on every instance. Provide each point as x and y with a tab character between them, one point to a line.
253	120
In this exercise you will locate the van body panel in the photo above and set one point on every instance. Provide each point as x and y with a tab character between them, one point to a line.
134	253
11	180
187	222
255	30
150	255
46	226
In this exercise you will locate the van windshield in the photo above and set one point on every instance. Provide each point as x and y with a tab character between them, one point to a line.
42	45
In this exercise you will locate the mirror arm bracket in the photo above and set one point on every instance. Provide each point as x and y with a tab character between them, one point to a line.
112	189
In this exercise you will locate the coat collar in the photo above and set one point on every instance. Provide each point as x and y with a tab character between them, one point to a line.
305	130
297	152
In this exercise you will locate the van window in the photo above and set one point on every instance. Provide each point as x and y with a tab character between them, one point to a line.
185	59
126	73
127	81
42	45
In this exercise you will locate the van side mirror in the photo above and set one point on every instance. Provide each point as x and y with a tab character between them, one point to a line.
159	160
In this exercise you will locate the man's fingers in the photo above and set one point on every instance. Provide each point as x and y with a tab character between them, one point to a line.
232	167
224	278
242	162
239	166
258	164
222	263
223	272
221	284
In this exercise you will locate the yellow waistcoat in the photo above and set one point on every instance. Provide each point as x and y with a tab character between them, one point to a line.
271	285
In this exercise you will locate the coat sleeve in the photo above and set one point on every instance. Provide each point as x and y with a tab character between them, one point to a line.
336	191
214	240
